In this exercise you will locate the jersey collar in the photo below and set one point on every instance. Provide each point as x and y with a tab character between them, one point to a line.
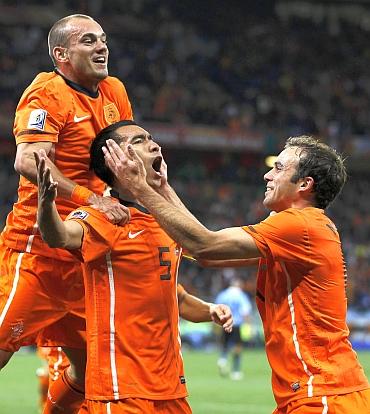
126	203
78	87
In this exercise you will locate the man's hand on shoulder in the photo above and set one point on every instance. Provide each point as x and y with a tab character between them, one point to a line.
115	212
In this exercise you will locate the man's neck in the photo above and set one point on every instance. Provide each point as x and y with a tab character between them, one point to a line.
128	201
91	90
124	195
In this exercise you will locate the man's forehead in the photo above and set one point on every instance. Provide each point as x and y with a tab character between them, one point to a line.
289	156
129	131
79	27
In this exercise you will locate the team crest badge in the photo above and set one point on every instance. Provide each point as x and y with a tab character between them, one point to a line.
111	113
37	119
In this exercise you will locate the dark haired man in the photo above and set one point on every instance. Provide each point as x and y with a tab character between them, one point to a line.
134	362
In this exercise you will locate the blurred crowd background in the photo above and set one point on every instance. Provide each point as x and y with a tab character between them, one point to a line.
221	85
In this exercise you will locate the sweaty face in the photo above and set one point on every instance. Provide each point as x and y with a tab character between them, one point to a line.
87	53
148	151
281	193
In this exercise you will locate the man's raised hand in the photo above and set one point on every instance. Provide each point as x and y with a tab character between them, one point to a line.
126	166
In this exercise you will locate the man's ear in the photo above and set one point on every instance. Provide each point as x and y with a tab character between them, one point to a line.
60	53
307	184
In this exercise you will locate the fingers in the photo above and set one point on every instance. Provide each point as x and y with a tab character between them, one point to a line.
114	211
109	162
37	158
221	314
123	215
126	215
113	156
132	153
228	325
115	150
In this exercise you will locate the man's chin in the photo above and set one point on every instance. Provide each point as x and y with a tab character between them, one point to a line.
102	75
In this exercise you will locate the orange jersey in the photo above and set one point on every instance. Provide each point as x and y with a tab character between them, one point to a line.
131	308
302	302
55	110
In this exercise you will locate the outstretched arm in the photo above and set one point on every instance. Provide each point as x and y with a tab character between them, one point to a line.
55	231
230	243
195	309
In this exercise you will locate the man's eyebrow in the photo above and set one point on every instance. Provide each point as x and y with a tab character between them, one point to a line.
94	35
278	164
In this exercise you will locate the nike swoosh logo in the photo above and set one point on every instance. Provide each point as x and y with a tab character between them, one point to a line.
133	235
80	118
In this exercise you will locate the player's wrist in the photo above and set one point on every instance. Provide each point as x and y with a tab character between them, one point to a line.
82	195
142	189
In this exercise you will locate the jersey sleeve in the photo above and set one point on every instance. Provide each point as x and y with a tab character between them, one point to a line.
40	114
282	236
98	233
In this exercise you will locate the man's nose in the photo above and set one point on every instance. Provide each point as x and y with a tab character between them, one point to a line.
155	147
101	44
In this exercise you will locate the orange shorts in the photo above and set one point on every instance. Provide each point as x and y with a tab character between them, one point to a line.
357	402
139	406
41	300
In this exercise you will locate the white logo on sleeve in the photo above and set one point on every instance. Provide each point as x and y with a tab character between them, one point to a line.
80	118
37	119
79	214
133	235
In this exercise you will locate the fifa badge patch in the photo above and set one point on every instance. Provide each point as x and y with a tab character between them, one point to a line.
295	386
17	330
37	119
79	214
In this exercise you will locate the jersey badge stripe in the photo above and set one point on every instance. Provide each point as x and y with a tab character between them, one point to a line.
324	401
31	237
295	336
14	288
56	365
112	327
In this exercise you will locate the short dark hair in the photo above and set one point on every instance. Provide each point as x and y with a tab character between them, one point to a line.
97	161
323	164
